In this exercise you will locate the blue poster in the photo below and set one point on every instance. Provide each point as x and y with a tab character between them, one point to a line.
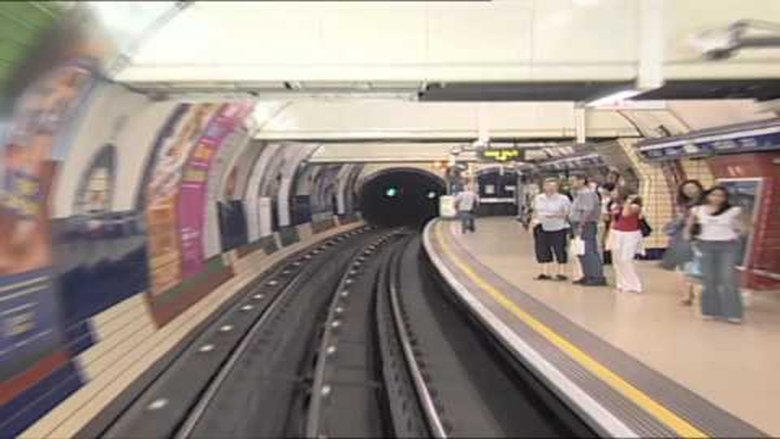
744	193
30	320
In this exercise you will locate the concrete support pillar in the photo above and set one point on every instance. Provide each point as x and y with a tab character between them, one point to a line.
651	44
579	124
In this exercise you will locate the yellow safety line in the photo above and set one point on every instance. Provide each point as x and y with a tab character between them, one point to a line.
676	423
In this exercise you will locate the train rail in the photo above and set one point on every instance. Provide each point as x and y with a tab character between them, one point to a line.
191	387
436	372
360	339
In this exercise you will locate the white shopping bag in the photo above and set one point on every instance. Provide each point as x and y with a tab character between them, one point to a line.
577	246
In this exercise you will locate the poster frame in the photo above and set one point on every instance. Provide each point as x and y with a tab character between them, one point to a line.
747	256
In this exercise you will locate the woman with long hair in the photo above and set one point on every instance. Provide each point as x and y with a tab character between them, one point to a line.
625	239
689	195
717	225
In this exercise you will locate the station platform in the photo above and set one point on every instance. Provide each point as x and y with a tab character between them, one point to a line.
631	364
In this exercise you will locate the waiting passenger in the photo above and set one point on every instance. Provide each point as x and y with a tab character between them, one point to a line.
605	193
625	239
680	253
466	203
584	216
717	225
550	210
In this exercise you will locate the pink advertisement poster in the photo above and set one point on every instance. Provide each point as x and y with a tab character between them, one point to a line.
192	192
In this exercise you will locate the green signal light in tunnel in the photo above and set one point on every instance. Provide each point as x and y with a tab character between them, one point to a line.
391	192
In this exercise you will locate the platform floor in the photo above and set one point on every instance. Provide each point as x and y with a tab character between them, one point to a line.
734	367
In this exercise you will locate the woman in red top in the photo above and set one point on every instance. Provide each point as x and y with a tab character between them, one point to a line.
625	239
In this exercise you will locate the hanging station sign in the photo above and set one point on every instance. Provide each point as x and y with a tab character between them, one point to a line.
501	154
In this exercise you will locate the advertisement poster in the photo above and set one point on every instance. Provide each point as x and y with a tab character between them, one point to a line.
744	193
192	194
40	114
29	309
172	153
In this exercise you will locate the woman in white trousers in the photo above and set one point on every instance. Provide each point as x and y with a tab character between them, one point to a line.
625	240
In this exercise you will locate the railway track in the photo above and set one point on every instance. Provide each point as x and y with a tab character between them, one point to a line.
360	339
193	392
431	371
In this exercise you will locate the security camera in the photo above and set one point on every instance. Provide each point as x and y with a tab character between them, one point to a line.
716	44
719	54
724	43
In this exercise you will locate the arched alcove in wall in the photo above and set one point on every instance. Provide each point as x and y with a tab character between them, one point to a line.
319	183
96	186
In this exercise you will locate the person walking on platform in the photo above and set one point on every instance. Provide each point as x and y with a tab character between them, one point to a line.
717	225
625	239
466	203
550	209
584	216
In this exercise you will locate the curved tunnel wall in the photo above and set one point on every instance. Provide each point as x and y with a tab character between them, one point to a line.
400	197
259	205
317	185
130	253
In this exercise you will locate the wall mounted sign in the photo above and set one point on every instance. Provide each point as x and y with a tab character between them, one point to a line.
579	162
764	137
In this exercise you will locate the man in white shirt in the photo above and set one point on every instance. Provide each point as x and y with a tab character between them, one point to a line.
550	230
466	202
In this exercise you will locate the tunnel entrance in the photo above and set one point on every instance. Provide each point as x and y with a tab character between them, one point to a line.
401	197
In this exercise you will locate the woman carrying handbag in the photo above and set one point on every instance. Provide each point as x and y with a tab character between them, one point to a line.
625	239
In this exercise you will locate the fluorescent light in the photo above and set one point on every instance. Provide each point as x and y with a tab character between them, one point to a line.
336	95
614	98
290	96
586	3
128	20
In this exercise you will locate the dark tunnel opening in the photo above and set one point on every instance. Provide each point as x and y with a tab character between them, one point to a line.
401	197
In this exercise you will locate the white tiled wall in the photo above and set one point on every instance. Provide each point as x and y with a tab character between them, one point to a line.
656	194
698	170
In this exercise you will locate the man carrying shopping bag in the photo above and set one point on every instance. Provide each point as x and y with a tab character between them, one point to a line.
584	216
